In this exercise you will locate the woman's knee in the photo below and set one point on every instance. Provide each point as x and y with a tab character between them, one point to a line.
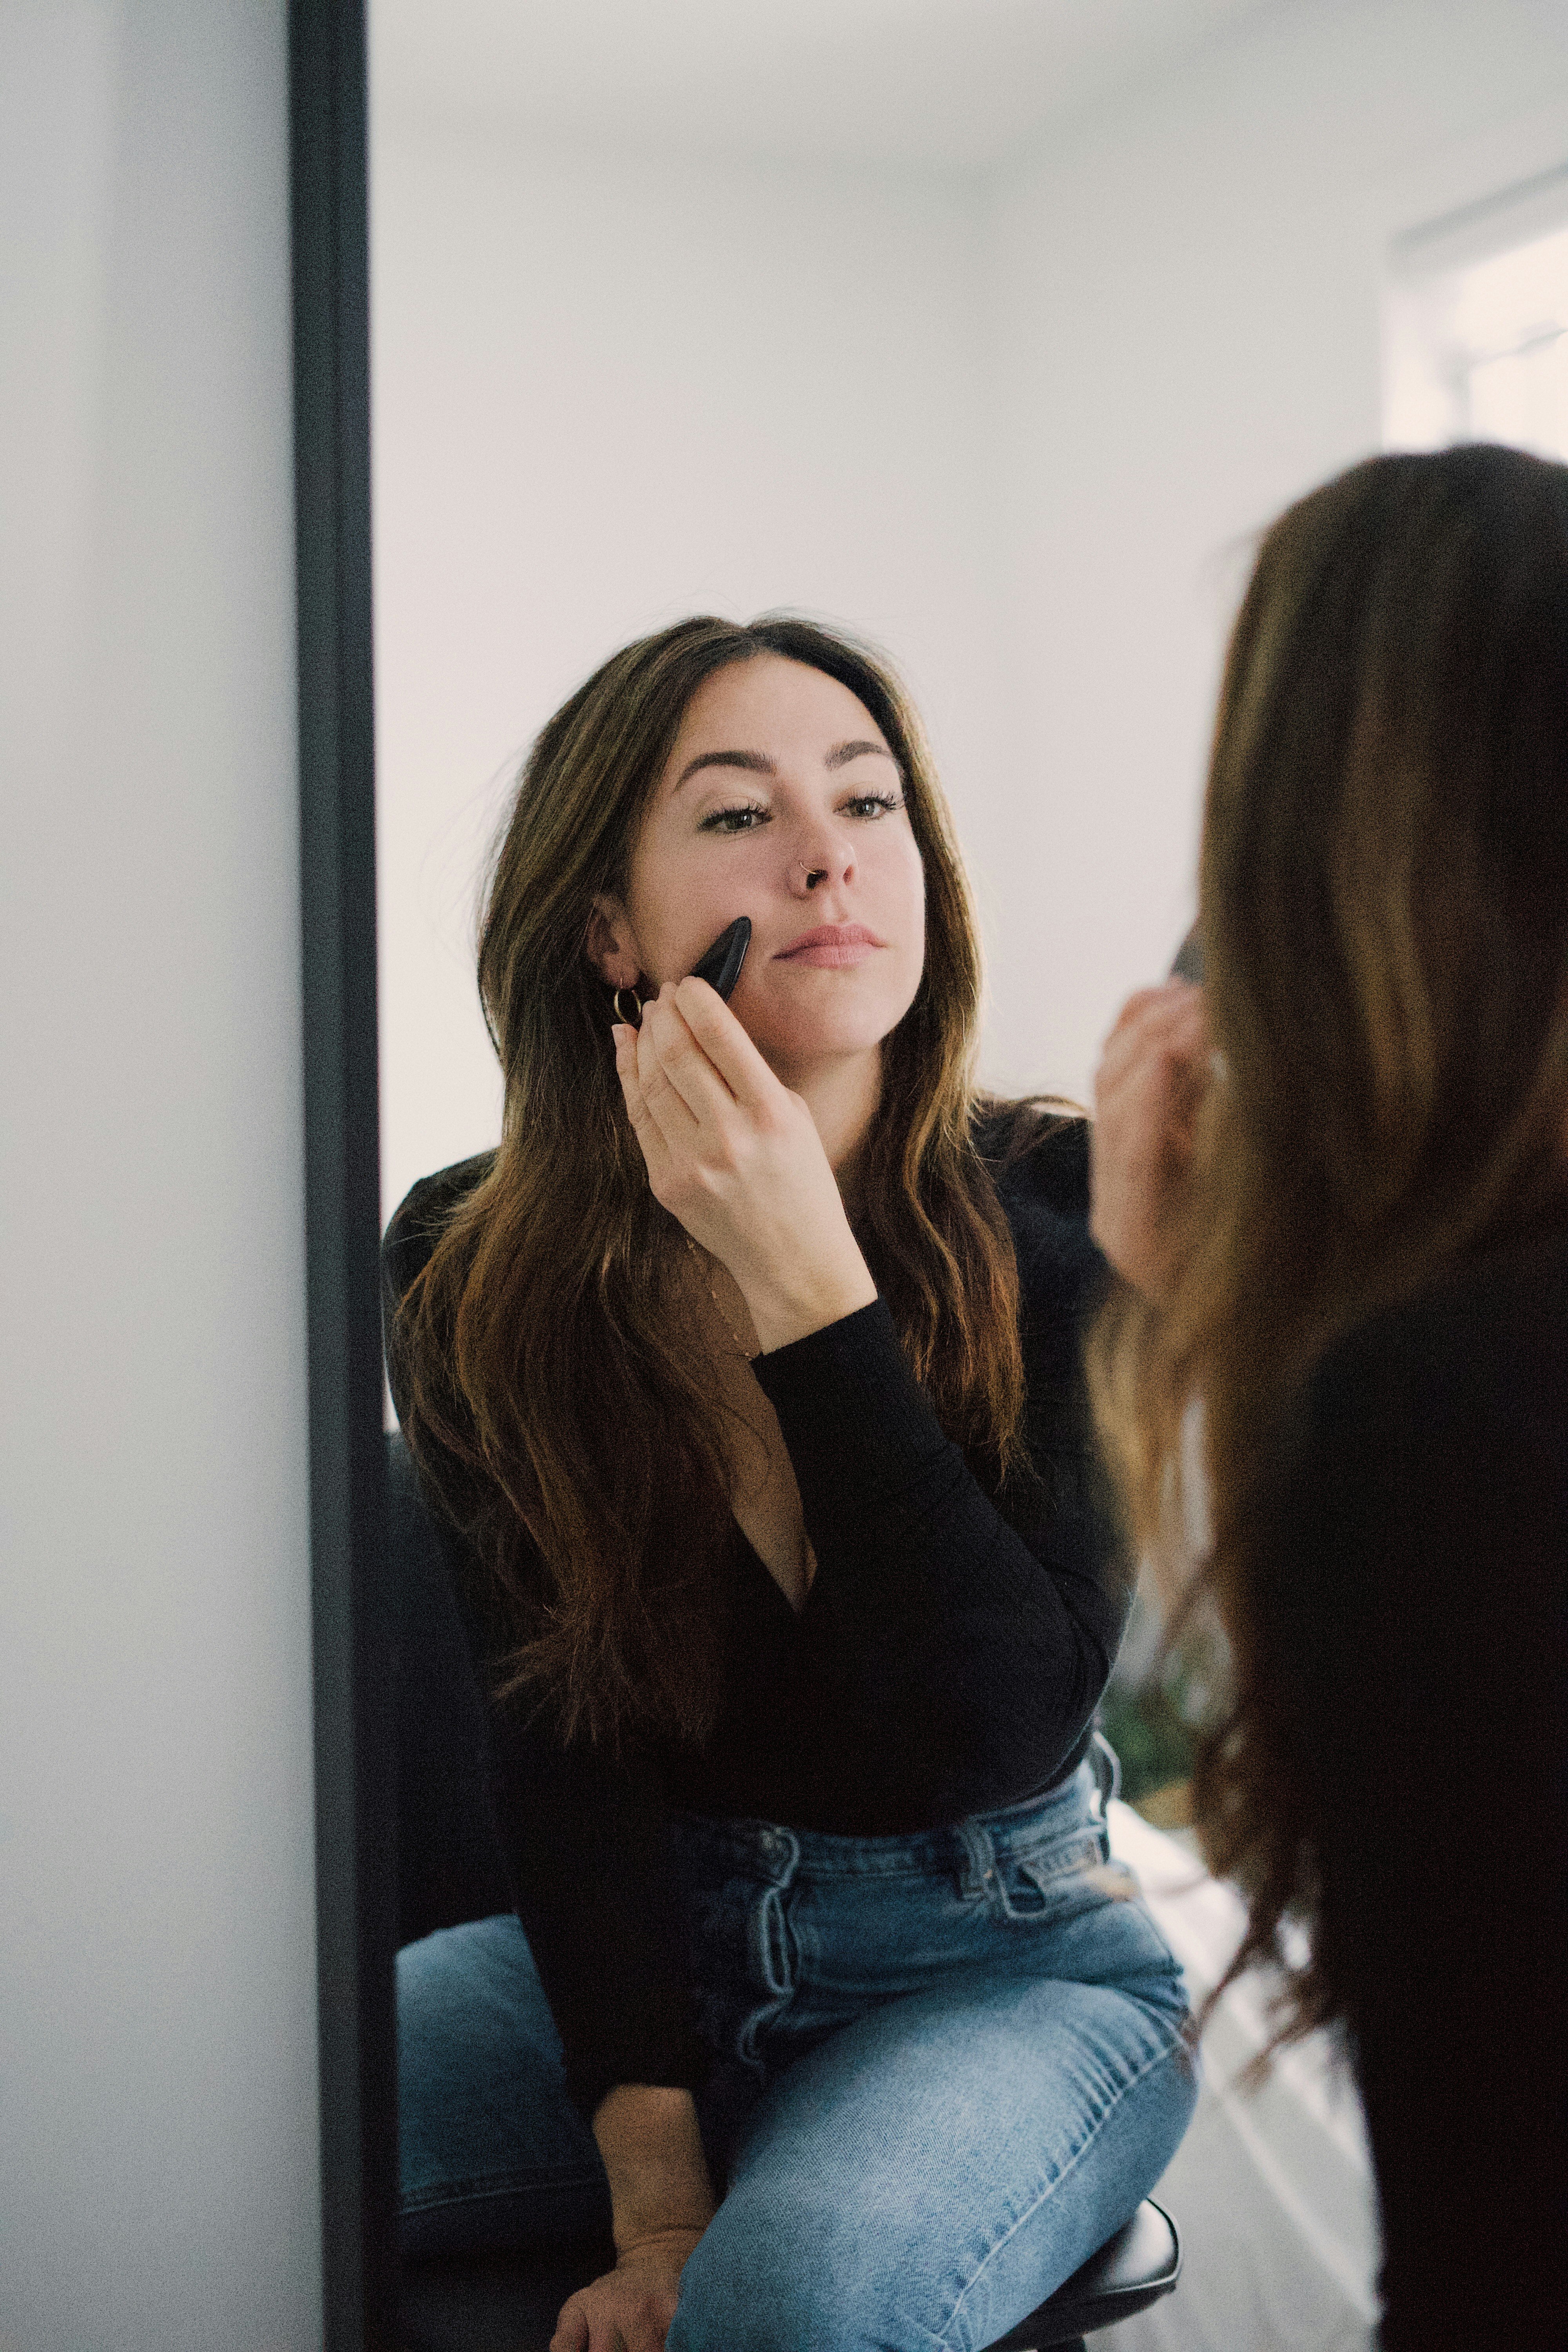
792	2269
465	1993
482	2103
812	2249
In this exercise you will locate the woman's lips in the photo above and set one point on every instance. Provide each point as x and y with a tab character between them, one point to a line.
832	945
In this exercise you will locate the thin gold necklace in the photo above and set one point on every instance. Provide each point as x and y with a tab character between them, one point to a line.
746	1354
806	1559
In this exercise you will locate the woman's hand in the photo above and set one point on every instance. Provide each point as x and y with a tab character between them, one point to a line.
1153	1073
737	1158
630	2308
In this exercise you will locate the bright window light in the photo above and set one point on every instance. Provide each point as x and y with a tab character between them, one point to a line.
1476	342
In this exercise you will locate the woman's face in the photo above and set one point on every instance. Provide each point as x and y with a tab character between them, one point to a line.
780	801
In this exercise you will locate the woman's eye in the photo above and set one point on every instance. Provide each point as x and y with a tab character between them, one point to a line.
745	819
746	816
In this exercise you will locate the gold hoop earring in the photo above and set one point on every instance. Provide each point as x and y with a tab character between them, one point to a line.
633	1020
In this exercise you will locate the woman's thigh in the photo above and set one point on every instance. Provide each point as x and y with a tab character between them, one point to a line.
492	2153
927	2176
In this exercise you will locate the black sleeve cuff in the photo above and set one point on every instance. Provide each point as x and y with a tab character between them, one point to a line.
846	1396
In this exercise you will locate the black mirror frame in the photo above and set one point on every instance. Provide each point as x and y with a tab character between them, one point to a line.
356	1859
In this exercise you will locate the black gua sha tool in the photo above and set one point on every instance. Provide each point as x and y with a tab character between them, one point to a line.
1189	963
720	967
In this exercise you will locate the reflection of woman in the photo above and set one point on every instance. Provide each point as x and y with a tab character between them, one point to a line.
1353	1247
745	1378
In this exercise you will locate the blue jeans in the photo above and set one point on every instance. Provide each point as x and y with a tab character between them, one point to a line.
947	2067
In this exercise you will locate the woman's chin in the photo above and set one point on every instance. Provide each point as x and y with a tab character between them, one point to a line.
796	1044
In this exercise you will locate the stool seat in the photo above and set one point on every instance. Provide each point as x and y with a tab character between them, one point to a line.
1134	2269
509	2303
493	2303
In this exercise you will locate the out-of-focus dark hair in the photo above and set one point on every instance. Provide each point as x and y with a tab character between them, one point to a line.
1383	909
551	1389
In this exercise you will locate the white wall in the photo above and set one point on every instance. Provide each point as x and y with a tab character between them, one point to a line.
1020	427
158	2167
1185	298
610	393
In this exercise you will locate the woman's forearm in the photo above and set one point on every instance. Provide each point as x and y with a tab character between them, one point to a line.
653	2156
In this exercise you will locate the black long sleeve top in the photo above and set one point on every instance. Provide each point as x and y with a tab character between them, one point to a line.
1420	1540
948	1658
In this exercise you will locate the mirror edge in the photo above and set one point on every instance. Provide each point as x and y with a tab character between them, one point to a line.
352	1638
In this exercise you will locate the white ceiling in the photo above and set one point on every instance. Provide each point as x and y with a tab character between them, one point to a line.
954	84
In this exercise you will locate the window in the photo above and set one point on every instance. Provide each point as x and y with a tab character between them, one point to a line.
1477	326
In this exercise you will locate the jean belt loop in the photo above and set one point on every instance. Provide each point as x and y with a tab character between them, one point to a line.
1106	1766
980	1857
779	1851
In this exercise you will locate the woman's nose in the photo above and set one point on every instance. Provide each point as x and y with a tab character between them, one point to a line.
816	861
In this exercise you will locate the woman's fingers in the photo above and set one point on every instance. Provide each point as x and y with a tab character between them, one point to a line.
674	1062
726	1046
579	2330
705	1112
629	2309
1140	1004
748	1178
666	1081
696	1066
571	2330
1155	1067
1169	1020
643	1125
1150	1081
1160	1060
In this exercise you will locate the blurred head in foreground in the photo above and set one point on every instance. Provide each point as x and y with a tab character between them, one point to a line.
1383	908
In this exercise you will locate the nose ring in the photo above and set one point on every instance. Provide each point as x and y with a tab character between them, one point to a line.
813	875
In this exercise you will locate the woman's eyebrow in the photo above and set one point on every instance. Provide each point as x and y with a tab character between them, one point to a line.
844	752
757	763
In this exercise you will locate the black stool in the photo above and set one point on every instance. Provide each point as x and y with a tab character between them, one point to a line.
509	2303
450	1872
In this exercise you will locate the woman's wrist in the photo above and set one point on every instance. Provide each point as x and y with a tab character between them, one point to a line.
786	1306
660	2192
674	2242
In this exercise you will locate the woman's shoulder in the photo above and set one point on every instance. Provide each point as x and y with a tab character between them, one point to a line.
1036	1151
423	1215
1436	1429
1416	1553
1483	1339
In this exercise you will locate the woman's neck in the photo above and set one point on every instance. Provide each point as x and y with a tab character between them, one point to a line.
842	1095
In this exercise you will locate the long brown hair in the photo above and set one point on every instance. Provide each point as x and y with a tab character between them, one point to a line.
1384	906
548	1391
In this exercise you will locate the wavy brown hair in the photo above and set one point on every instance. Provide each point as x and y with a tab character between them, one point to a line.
1384	906
550	1389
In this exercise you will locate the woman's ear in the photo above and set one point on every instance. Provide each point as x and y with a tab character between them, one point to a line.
611	944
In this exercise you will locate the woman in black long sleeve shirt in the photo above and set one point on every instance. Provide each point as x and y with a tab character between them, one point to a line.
1339	1191
789	1580
950	1654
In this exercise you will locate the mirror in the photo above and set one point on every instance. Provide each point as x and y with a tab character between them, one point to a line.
994	333
676	314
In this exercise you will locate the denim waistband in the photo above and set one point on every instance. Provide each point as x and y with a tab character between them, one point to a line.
775	1852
